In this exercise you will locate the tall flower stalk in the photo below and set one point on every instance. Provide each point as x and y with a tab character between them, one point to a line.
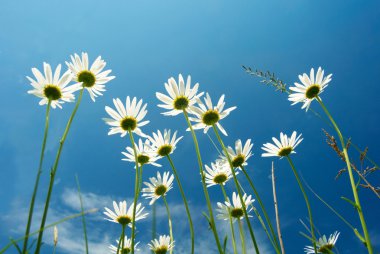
242	237
233	240
36	184
237	188
184	202
200	163
351	176
54	171
169	221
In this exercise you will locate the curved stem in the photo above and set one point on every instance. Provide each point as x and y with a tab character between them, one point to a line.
200	163
154	223
237	188
184	202
170	222
230	219
54	171
351	176
137	187
262	208
306	201
39	172
276	210
242	237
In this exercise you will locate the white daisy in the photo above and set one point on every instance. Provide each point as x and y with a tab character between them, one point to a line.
310	88
283	148
241	154
93	78
324	245
219	173
235	209
164	145
52	87
123	249
126	118
162	245
124	216
145	155
180	97
158	187
208	115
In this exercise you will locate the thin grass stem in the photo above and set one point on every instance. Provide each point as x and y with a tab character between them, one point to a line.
83	217
276	211
261	204
306	201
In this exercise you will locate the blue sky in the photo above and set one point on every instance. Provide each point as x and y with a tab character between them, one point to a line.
147	42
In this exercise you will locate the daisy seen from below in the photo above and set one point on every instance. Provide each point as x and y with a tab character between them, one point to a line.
241	154
158	187
123	249
180	97
235	209
283	147
123	215
324	245
161	245
164	144
207	115
218	173
310	88
126	118
51	87
144	155
92	78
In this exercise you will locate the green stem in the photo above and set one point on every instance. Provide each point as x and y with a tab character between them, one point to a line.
154	223
137	187
54	171
230	219
119	244
46	227
36	184
241	231
83	217
306	201
276	246
237	188
209	207
122	238
184	202
170	222
352	180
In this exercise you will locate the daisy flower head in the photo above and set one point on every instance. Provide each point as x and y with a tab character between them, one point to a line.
207	115
123	215
235	209
164	144
310	88
123	249
161	245
283	148
241	154
218	173
180	97
158	187
51	87
126	118
324	245
92	78
145	155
